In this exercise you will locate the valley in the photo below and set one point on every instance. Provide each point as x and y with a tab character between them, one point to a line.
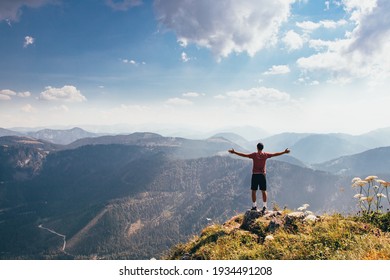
135	196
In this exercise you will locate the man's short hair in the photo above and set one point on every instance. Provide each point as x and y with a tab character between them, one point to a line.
260	146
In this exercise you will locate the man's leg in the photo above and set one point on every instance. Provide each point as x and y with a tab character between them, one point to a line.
254	198
263	188
254	203
264	193
254	185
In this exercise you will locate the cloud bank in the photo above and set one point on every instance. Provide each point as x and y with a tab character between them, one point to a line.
224	27
362	53
66	93
7	94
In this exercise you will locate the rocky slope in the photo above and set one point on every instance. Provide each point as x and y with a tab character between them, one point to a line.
284	235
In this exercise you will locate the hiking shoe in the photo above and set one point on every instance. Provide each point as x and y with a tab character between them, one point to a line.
263	210
254	208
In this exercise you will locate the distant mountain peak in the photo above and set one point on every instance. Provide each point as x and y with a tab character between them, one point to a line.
62	136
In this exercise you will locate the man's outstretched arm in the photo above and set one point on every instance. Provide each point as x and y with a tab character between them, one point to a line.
232	151
286	151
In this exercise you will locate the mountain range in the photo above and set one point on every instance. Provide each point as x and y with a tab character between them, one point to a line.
375	161
56	136
307	148
134	196
315	148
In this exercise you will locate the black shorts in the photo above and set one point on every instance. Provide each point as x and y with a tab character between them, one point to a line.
258	182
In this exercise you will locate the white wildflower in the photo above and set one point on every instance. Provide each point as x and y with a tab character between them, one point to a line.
371	178
362	198
381	195
310	218
303	207
360	183
356	179
359	195
381	182
269	238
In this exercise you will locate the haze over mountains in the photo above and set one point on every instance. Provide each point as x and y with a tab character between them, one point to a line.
135	195
308	147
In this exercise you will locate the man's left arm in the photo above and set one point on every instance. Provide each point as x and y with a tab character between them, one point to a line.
286	151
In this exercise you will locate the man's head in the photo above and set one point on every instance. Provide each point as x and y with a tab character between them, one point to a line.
260	146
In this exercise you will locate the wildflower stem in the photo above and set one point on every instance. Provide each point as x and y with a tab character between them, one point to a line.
368	197
361	204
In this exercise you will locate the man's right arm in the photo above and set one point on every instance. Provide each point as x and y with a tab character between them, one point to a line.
232	151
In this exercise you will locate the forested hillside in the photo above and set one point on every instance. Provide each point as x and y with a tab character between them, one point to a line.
126	201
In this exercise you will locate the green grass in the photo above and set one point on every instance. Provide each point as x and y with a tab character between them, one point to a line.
332	237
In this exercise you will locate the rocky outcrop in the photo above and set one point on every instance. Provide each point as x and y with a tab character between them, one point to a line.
266	224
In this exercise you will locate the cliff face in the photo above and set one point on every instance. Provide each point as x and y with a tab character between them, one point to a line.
284	235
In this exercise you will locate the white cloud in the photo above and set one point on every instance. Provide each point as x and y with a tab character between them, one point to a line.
61	108
6	94
176	101
184	57
28	108
277	70
123	5
28	40
258	96
24	94
373	28
5	97
309	26
306	81
193	94
320	45
220	97
132	62
363	52
226	26
11	10
66	93
327	5
314	83
331	24
359	8
129	61
293	40
332	61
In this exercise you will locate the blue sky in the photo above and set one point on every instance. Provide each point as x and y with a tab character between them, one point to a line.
282	65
